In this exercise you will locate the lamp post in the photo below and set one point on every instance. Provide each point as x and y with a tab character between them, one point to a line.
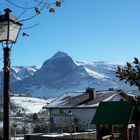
9	30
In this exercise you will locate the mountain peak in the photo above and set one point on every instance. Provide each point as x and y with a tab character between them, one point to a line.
60	54
60	61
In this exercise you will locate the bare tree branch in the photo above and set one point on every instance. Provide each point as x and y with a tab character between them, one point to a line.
21	7
35	14
31	26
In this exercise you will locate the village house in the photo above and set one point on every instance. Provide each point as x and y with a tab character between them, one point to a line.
74	111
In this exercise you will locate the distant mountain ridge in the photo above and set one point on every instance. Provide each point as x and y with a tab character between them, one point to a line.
18	73
61	74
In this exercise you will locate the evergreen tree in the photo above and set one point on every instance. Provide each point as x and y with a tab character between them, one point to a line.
131	73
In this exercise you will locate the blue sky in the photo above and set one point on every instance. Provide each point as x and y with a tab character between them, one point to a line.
88	30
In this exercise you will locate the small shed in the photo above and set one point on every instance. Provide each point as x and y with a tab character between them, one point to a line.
119	119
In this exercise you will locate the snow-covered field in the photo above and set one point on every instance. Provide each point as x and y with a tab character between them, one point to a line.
30	104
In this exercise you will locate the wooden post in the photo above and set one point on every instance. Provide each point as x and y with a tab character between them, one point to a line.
138	132
112	131
126	133
98	131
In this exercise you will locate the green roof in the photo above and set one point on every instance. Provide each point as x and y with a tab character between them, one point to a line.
116	113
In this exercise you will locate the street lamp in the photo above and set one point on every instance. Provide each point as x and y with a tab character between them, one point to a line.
9	30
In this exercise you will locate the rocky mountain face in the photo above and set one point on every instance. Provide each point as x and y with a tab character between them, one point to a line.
60	74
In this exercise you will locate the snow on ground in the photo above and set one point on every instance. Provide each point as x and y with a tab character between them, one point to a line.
31	104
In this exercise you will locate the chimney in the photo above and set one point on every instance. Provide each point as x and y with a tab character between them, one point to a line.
91	92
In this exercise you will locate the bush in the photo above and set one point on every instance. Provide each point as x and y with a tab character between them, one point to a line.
40	129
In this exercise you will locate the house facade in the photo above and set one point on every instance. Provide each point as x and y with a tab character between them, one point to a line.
74	111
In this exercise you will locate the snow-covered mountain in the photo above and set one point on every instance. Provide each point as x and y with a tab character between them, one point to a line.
61	74
18	73
22	72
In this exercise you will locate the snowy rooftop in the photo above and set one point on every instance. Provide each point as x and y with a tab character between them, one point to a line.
82	99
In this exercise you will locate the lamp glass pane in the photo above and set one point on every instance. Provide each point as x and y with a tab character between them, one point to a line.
14	31
3	31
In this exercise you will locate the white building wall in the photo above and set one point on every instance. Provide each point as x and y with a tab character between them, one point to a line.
63	119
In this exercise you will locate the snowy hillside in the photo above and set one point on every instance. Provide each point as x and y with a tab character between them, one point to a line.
61	74
30	104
